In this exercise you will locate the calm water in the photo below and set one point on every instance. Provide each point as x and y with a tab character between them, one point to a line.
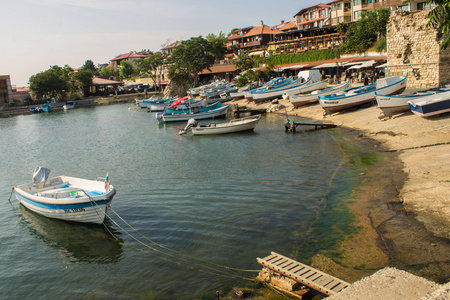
223	199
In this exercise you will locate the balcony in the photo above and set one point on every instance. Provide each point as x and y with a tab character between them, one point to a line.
251	44
387	3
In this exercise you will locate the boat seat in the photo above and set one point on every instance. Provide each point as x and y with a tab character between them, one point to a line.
55	181
24	187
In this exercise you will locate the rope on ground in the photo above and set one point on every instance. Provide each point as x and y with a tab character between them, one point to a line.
418	147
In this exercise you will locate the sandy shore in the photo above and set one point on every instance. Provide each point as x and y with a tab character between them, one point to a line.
403	207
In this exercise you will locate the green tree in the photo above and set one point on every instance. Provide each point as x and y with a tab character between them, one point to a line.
152	65
440	19
89	65
84	79
190	58
243	61
362	34
126	69
108	71
51	83
233	31
217	44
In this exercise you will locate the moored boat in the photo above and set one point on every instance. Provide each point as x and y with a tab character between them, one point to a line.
431	105
69	105
66	198
299	100
357	96
233	126
213	113
46	107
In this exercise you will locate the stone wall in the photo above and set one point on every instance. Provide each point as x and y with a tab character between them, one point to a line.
413	48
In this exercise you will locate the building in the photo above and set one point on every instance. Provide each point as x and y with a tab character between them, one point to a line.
255	39
168	50
130	57
6	95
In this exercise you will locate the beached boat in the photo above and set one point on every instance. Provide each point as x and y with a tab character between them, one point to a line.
213	113
36	110
194	109
236	125
178	104
66	198
431	105
394	104
304	99
357	96
240	93
69	105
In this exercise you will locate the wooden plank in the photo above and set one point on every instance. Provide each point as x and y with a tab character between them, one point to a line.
304	274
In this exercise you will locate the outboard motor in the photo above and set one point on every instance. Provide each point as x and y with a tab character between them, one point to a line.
40	176
190	123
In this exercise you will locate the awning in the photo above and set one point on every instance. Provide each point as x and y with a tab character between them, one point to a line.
296	67
382	66
256	53
351	64
366	64
329	65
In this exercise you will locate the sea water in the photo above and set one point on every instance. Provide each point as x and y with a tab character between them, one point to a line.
194	206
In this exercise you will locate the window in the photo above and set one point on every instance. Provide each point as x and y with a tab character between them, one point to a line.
356	2
339	6
357	15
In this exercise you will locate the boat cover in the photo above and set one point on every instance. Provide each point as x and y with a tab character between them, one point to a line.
40	176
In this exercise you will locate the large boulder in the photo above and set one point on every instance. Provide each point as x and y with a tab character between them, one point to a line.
177	86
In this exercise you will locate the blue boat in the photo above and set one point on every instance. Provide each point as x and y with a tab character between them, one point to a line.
431	105
46	107
193	109
36	110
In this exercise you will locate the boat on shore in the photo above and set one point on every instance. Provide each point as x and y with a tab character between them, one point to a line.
431	105
298	100
233	126
66	198
395	104
357	96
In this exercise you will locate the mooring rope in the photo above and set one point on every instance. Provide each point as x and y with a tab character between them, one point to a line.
217	272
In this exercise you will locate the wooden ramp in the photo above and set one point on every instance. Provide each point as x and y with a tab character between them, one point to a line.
292	126
304	274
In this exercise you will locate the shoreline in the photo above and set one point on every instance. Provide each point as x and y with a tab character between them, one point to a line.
402	206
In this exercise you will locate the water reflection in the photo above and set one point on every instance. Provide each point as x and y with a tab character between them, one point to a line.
78	242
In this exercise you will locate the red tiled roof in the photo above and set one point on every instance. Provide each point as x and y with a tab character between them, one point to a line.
132	54
288	26
173	45
310	7
103	81
256	30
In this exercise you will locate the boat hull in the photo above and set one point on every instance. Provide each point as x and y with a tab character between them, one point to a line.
74	199
431	105
302	100
240	125
358	96
214	113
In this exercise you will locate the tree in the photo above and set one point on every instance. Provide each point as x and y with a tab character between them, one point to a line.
51	83
89	65
84	79
440	19
152	64
108	71
362	34
243	61
190	58
125	69
217	44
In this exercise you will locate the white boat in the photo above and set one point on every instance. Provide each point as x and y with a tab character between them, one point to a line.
431	105
66	198
209	114
300	100
184	103
391	105
356	96
69	105
236	125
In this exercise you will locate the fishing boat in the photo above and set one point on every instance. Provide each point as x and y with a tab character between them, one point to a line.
46	107
180	103
299	100
66	198
174	109
240	93
431	105
36	110
236	125
357	96
209	114
69	105
391	104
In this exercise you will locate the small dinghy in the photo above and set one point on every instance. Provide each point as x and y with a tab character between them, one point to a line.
66	198
236	125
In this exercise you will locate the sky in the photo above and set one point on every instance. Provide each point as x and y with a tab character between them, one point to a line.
37	34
